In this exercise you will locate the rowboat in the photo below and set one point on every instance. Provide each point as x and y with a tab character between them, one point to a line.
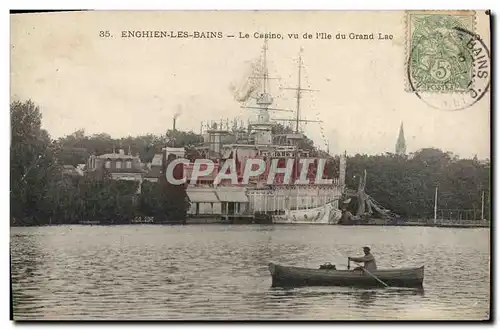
284	276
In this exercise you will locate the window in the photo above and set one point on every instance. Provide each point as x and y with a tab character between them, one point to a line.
118	164
107	164
129	164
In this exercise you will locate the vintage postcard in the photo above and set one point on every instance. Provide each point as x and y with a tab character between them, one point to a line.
250	165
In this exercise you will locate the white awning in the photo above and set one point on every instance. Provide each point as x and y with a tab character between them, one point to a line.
232	194
207	196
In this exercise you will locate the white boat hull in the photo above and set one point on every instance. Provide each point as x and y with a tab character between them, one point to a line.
323	215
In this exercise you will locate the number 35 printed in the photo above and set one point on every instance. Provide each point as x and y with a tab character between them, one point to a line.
104	34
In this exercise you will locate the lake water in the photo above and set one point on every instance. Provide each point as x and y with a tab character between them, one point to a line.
151	272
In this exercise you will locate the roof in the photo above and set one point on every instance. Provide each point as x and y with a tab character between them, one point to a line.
116	156
202	196
170	149
232	194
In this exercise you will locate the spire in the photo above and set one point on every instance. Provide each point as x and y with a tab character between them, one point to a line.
401	143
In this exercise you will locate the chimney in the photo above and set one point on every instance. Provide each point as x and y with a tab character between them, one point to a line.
175	118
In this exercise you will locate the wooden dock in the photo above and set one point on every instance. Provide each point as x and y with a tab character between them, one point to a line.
443	223
89	222
463	224
244	218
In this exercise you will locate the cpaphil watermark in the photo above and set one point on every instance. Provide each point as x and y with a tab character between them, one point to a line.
293	172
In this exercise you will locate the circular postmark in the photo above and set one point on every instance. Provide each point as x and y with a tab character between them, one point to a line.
449	67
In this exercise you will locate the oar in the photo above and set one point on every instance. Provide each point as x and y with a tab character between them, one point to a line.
375	277
348	263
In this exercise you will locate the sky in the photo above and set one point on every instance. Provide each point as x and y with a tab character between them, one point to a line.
132	86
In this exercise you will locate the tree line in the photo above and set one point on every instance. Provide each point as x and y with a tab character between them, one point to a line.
406	185
77	147
42	194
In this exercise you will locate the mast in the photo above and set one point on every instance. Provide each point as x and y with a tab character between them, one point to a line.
297	119
298	94
299	90
264	67
264	100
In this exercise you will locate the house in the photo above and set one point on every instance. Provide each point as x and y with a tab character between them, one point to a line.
119	165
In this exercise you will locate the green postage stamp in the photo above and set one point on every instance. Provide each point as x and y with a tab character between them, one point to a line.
439	59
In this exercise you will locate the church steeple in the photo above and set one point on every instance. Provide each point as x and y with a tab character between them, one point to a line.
401	143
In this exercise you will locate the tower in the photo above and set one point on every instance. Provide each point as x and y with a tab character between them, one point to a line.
263	124
401	143
264	101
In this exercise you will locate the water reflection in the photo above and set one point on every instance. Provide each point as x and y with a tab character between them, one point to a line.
321	301
26	264
269	228
365	298
220	272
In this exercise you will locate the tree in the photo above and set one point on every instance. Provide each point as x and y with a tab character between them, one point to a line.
77	147
175	202
32	164
42	194
181	139
407	185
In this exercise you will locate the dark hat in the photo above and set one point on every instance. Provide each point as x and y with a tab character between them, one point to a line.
366	248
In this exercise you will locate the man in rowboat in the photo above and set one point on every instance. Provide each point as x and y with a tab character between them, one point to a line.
368	259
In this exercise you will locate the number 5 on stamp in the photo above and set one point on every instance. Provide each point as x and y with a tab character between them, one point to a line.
439	60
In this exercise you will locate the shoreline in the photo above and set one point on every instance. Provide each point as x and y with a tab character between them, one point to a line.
200	221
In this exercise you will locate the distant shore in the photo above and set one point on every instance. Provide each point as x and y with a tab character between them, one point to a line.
203	221
426	224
